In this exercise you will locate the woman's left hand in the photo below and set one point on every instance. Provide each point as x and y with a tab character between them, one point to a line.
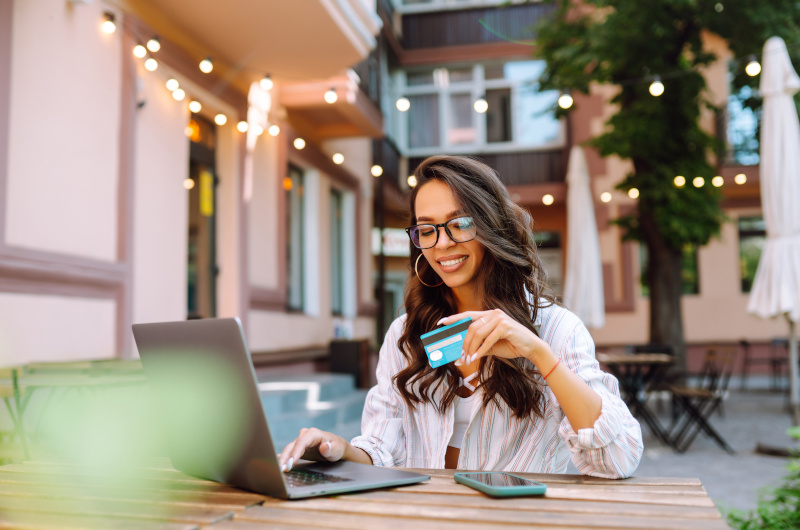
494	332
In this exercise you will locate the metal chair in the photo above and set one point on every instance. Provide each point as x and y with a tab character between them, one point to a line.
699	402
778	358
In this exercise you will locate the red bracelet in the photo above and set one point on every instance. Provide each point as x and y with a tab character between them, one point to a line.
551	369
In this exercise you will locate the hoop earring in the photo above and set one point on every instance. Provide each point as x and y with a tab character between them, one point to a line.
420	278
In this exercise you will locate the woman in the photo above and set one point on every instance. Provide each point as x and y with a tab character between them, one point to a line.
540	396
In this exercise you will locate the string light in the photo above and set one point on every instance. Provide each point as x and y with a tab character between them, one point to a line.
753	67
154	44
717	181
172	84
220	119
403	104
481	105
139	51
299	143
178	94
656	87
109	25
206	65
258	130
330	96
412	181
242	126
565	100
376	171
698	182
547	199
150	65
266	82
274	130
740	179
605	196
287	183
188	184
633	193
679	181
338	158
195	106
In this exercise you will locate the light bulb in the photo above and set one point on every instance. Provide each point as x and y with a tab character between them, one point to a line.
376	170
287	183
172	84
274	130
242	126
188	184
633	193
717	181
403	104
150	65
412	181
220	119
206	65
154	44
605	196
195	106
299	143
178	94
258	130
753	67
740	179
266	82
109	26
565	100
698	182
679	181
480	105
656	87
338	158
330	95
547	199
139	51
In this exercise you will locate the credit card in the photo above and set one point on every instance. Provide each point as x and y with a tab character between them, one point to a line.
444	345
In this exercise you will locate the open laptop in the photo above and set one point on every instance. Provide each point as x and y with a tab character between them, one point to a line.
203	386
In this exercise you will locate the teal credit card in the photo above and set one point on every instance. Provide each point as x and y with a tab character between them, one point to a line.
444	345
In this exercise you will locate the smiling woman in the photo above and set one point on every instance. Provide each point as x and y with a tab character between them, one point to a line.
539	395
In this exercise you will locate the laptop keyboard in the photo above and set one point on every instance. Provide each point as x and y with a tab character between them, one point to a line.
301	477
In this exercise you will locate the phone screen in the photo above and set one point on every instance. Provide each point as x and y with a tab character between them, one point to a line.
499	480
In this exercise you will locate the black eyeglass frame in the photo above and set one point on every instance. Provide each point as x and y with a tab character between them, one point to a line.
446	229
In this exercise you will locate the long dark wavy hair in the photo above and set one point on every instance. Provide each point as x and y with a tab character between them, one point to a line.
509	276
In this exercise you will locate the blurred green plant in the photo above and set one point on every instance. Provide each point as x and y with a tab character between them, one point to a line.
626	45
779	509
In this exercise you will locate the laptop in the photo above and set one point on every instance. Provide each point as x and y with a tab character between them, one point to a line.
204	388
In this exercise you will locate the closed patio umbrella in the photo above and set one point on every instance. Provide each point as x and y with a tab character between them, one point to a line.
583	284
776	288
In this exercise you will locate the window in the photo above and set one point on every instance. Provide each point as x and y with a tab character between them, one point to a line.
442	112
295	226
548	245
337	253
752	236
690	276
742	130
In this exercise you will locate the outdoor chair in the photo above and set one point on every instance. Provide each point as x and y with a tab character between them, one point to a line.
778	358
698	403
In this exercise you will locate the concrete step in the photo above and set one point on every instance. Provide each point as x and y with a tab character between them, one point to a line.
319	387
277	402
348	431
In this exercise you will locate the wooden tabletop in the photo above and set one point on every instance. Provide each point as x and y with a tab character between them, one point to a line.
57	495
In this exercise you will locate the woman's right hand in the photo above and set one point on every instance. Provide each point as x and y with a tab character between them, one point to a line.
313	444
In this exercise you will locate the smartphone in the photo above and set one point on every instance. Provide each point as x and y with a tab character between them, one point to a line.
500	484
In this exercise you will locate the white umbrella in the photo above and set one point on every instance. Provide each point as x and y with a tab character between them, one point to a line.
583	285
776	288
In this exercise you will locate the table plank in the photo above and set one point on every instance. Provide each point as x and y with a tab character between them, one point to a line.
577	479
38	521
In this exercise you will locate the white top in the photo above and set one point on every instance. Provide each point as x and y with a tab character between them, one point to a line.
464	410
394	434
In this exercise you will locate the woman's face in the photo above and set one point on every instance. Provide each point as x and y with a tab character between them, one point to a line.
456	263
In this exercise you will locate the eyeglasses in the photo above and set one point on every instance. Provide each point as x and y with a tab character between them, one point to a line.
460	230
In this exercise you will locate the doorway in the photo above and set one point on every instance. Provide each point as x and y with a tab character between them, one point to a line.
202	270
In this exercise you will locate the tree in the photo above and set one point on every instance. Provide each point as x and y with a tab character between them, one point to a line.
626	43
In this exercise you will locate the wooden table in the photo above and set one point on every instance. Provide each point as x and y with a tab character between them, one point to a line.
636	373
57	495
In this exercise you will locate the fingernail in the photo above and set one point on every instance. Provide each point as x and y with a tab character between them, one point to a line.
459	362
330	447
472	358
291	461
440	321
283	468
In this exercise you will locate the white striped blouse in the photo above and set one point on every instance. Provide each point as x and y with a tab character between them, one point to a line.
394	435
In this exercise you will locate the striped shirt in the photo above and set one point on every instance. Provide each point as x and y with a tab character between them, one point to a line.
394	435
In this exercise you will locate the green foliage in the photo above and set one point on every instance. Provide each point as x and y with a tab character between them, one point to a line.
778	510
624	43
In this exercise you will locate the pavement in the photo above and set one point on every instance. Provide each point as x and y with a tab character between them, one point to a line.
749	418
